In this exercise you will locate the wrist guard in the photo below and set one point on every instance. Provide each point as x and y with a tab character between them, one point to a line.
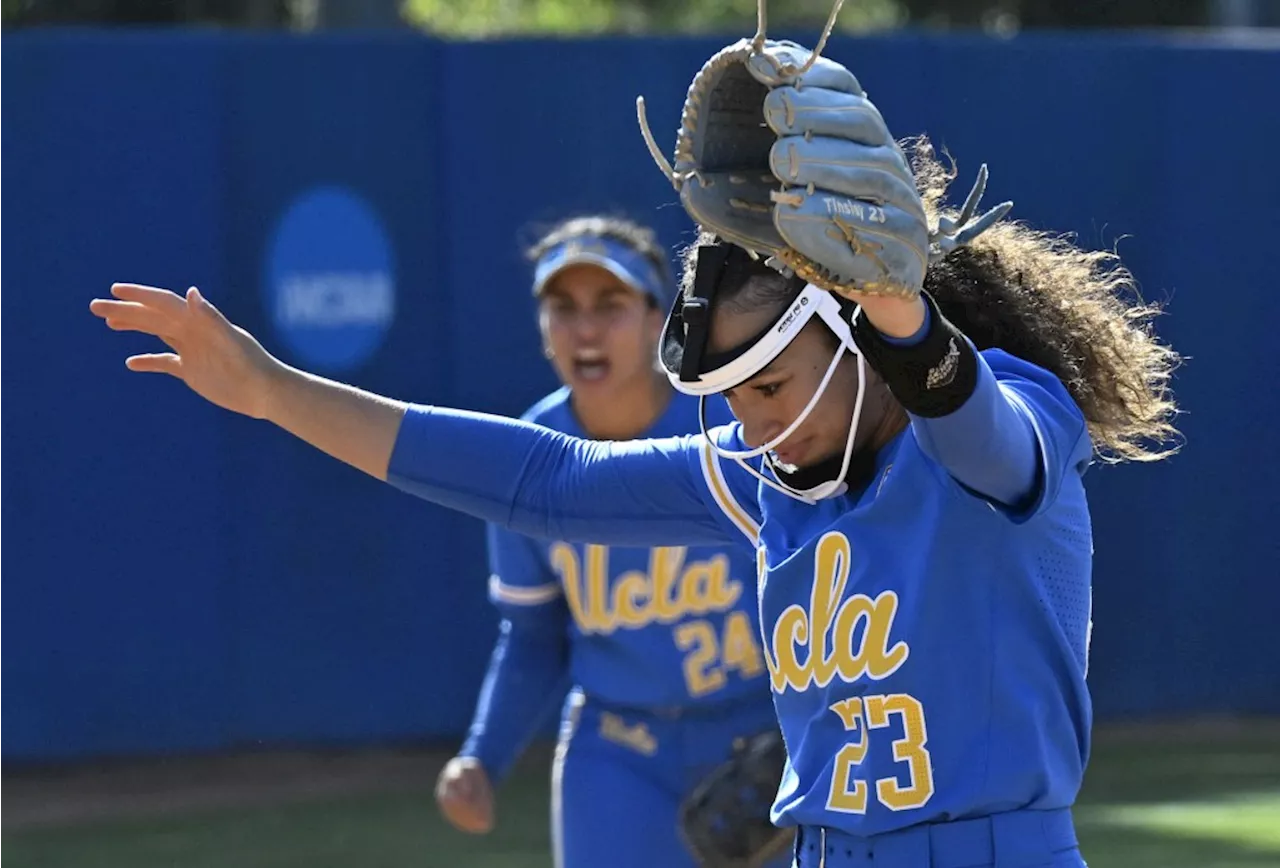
931	377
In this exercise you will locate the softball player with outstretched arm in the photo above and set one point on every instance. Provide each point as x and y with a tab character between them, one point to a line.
660	645
906	463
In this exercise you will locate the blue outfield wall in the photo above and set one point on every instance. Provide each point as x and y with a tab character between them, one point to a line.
179	579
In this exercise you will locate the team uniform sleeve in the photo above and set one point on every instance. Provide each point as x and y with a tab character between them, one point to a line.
540	482
1002	428
1014	440
731	491
529	670
519	577
527	676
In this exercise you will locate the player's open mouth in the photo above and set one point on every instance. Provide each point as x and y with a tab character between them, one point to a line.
590	366
790	454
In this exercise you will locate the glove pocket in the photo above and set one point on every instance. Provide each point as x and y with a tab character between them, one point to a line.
736	207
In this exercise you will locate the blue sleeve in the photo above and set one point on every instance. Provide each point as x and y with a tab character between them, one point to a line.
527	678
1015	438
529	671
519	574
540	482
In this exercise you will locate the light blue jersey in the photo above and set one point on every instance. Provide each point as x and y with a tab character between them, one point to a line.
926	646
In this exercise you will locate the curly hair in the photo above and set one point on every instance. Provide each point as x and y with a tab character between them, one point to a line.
1076	313
640	238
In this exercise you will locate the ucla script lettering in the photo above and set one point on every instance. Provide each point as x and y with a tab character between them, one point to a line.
669	591
828	629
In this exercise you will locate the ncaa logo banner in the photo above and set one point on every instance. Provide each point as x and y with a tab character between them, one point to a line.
330	279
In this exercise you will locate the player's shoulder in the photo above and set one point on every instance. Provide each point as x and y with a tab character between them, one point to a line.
1061	430
727	436
734	489
722	432
1033	383
553	410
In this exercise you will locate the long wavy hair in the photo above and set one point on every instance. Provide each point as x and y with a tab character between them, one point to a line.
1076	313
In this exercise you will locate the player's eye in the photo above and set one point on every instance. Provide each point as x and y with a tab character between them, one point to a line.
615	301
768	390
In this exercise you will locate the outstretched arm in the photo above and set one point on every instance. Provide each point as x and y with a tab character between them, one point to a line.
227	366
543	483
516	474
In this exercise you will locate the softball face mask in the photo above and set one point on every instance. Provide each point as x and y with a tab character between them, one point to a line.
694	371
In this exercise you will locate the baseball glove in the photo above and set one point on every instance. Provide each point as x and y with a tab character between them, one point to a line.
724	821
781	153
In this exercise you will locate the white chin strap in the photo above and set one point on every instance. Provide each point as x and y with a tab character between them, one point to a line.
811	301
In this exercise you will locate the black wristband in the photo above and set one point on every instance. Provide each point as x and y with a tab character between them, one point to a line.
932	377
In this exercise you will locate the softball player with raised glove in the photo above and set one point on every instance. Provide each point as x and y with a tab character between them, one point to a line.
659	645
917	401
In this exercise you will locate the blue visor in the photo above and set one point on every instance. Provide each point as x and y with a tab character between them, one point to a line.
619	259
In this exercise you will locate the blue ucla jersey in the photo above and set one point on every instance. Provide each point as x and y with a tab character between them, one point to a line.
650	627
890	717
926	646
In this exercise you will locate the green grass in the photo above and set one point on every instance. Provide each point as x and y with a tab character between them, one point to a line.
1154	798
1169	798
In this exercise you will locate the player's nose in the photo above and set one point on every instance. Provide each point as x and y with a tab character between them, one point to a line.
758	429
587	326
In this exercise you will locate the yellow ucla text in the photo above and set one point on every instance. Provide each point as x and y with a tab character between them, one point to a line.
635	736
827	630
672	588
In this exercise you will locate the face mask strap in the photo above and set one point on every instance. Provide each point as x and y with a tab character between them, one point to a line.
790	429
830	311
692	317
831	487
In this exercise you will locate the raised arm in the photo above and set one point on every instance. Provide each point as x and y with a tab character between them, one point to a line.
1007	436
516	474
